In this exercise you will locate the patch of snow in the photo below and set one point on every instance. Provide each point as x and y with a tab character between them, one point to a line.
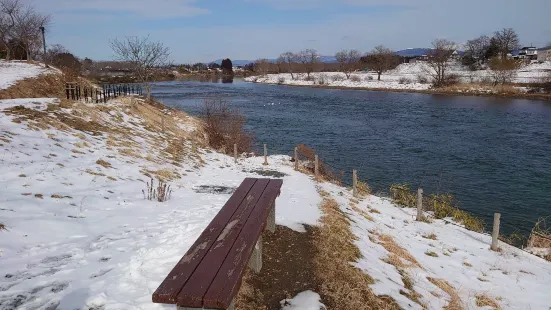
306	300
13	71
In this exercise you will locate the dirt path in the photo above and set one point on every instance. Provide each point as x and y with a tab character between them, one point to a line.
287	270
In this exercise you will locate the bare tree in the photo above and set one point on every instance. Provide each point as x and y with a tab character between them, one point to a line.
504	70
507	40
439	61
477	48
348	61
20	24
381	59
143	55
309	59
262	66
289	59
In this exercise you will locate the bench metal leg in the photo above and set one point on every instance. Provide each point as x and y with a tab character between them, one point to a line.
231	307
270	225
255	262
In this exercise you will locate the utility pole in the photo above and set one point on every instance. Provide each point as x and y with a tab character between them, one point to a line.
42	29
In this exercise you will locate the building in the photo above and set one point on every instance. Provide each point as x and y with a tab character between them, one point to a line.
544	54
528	53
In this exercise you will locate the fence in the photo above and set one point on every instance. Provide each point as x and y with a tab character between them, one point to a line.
439	206
75	91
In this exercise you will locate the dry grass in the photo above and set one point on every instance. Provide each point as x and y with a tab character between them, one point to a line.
39	196
467	264
57	196
42	86
454	302
343	285
483	300
2	227
398	255
363	189
433	254
430	236
103	163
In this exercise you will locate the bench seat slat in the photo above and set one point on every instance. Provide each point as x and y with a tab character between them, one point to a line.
228	279
194	290
169	289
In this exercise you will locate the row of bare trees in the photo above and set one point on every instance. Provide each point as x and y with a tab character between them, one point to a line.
481	49
20	29
308	61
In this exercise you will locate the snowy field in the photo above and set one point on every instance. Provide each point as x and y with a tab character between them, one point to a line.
14	71
404	77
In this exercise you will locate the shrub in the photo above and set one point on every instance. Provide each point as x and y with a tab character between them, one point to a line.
309	78
2	227
422	79
441	205
369	78
337	78
363	189
404	80
224	126
451	79
161	193
504	70
281	80
355	78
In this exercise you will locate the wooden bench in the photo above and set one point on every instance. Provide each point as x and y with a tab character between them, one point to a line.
210	273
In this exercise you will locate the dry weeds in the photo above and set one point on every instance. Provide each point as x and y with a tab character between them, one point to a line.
343	285
454	302
397	253
430	236
103	163
483	300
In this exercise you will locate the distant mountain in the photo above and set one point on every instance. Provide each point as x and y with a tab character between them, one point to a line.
413	52
241	62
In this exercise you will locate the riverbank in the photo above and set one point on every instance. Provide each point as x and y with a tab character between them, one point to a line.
459	90
414	78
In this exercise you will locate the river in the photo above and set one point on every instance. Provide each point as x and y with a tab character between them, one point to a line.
493	154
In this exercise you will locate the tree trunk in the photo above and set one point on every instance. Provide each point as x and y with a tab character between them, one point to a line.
379	75
148	92
8	54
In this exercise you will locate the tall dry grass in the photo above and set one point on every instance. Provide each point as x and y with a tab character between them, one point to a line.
343	285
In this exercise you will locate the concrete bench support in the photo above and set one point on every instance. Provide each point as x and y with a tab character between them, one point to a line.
255	263
270	224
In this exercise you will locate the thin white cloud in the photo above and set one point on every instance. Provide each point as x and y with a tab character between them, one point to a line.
142	8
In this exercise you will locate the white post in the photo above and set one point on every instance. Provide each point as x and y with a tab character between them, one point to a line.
316	166
265	155
419	204
296	158
355	183
495	232
235	152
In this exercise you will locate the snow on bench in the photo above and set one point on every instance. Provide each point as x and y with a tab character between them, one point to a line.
210	273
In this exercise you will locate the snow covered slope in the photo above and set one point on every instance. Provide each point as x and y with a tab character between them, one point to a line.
79	232
13	71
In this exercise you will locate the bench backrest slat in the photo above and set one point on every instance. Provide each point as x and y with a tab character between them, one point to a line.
228	280
194	290
172	285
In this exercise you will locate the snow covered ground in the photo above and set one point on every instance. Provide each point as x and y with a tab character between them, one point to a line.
404	77
81	235
512	278
12	71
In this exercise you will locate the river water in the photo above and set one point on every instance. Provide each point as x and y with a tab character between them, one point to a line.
493	154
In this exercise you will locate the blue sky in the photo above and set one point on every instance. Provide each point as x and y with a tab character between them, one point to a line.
205	30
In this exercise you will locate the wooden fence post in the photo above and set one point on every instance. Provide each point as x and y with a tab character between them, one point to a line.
235	152
296	158
419	204
355	183
495	232
265	155
316	166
